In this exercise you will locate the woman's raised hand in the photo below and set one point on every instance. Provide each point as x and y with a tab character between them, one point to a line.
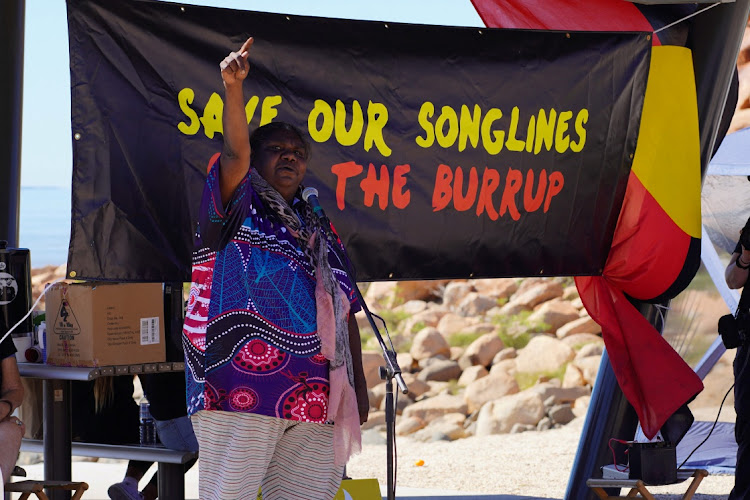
234	67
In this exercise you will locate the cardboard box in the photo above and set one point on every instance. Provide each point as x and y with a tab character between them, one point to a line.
104	324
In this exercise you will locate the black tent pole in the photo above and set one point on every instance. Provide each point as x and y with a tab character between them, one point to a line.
11	104
716	36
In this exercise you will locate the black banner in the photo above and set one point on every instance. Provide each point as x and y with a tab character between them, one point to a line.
438	152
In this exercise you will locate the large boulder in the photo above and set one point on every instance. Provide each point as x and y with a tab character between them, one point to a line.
428	317
455	292
483	350
499	416
472	374
583	324
452	323
543	354
448	427
500	288
429	343
489	388
441	370
553	314
429	409
475	304
538	293
371	363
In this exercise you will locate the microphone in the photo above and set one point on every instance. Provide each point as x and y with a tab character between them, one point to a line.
310	195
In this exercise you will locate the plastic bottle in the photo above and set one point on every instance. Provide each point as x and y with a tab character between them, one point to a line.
42	339
147	426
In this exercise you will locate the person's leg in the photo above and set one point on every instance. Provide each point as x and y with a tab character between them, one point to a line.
235	451
302	468
127	489
741	488
10	442
177	434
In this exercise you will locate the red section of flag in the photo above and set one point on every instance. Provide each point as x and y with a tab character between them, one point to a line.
647	255
574	15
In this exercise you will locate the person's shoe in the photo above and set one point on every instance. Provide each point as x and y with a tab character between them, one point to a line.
126	490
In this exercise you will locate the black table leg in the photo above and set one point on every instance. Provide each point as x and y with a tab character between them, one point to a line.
171	481
57	435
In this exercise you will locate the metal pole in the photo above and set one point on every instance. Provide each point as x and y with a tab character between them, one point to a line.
12	13
57	434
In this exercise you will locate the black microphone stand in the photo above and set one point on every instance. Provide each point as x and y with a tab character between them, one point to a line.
388	372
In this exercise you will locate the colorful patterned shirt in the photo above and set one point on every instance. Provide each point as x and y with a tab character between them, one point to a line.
250	332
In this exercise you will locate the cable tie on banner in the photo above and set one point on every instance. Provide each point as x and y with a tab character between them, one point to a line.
687	17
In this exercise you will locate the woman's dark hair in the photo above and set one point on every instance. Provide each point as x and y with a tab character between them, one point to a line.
261	134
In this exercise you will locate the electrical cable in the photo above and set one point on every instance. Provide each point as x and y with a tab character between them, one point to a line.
44	292
687	17
709	432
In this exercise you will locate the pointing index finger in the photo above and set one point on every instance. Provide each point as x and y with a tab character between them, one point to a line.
246	46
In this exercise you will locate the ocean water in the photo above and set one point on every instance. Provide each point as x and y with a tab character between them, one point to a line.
44	226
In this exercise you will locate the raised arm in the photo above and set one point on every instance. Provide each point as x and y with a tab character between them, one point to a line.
736	276
235	158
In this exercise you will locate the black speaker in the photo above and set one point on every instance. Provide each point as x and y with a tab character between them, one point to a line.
15	289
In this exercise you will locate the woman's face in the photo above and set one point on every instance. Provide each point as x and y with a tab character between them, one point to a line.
281	161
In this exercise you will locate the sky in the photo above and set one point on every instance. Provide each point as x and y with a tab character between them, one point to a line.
46	153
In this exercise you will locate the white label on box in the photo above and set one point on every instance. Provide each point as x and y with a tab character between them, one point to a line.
150	330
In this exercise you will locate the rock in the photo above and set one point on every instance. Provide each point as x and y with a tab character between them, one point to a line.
429	343
432	408
424	363
543	354
406	362
570	293
554	314
544	424
371	363
577	340
381	294
589	368
561	414
529	283
402	402
519	428
412	307
415	386
538	293
481	328
581	406
483	350
452	323
500	288
581	325
499	416
429	317
377	395
420	290
437	388
442	370
573	377
475	304
456	353
448	427
590	350
559	395
507	353
577	303
505	366
455	292
513	308
489	388
374	419
408	425
472	374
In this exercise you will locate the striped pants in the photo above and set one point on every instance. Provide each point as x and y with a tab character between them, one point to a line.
240	452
